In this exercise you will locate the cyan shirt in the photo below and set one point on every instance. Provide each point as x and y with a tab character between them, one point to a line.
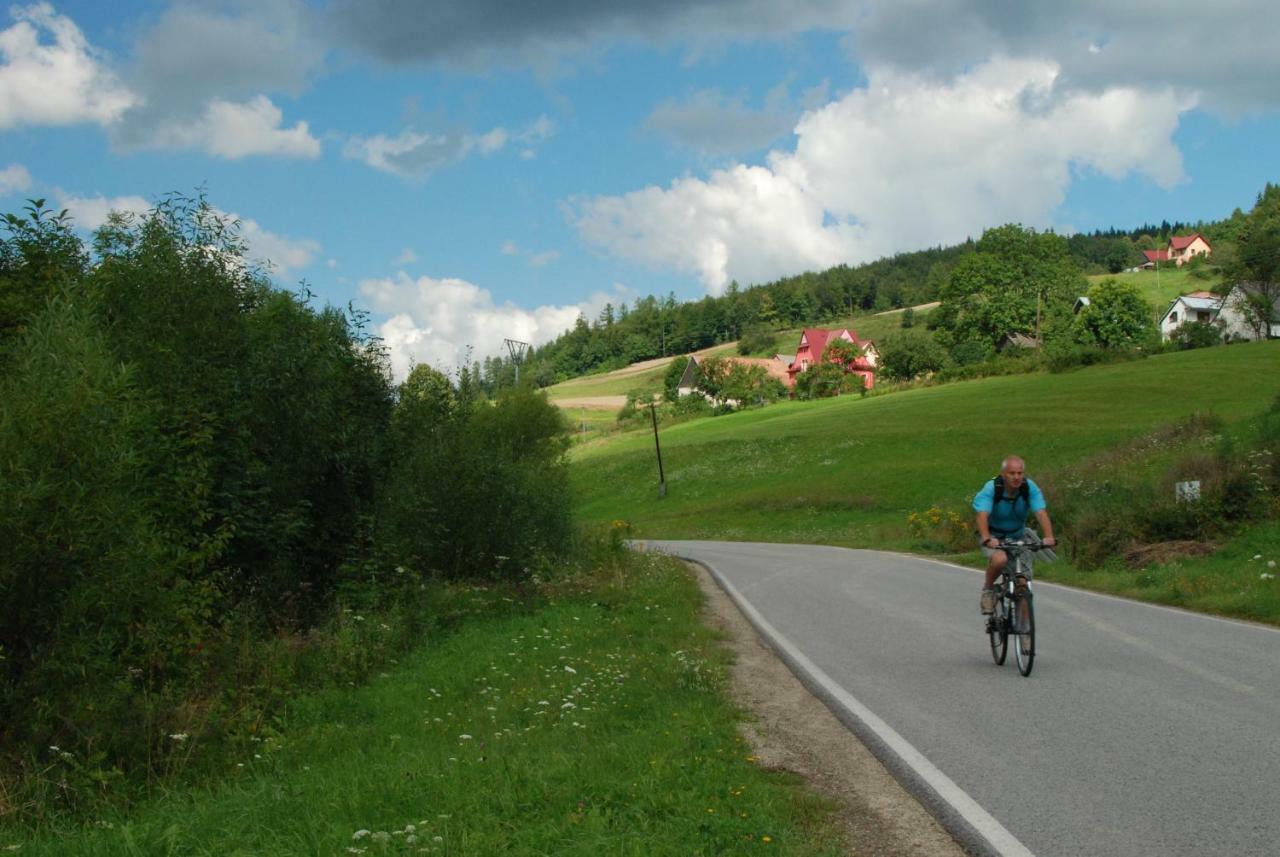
1009	515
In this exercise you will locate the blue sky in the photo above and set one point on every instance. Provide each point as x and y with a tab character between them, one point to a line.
469	171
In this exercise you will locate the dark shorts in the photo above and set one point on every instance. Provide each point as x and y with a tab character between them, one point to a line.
990	552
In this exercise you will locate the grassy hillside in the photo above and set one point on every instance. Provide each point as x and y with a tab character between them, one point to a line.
1160	289
647	377
848	471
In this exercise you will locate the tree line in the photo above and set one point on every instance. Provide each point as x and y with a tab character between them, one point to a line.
660	327
194	464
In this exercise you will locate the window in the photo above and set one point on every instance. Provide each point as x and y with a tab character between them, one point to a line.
1201	315
1173	317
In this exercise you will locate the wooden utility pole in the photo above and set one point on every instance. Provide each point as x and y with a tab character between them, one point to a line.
662	479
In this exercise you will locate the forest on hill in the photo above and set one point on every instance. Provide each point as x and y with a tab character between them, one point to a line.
659	327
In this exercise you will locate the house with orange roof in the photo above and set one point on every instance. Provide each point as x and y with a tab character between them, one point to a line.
1181	250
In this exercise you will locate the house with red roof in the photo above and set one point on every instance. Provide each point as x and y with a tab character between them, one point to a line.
813	344
1181	250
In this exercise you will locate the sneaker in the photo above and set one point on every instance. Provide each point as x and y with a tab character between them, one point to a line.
988	602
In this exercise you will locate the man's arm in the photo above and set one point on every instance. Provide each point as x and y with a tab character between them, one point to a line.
1046	527
983	530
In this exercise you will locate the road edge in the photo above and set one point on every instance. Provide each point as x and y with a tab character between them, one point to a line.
962	817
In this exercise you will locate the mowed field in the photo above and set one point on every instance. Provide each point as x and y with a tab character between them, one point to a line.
848	471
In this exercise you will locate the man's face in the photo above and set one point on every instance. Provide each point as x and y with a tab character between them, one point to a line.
1013	476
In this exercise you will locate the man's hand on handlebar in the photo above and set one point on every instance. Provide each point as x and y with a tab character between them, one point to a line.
1050	542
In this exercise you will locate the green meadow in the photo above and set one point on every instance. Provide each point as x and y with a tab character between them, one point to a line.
849	471
590	718
1160	288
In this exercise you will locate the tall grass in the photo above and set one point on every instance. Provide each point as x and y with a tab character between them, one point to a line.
587	716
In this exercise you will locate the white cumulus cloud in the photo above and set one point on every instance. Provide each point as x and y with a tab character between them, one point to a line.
90	212
904	162
14	178
436	321
237	130
51	75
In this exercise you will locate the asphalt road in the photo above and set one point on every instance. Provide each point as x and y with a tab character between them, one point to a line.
1141	731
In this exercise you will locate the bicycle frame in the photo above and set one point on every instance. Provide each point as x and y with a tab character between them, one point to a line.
1013	613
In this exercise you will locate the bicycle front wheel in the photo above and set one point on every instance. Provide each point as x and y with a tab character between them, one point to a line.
1024	647
998	631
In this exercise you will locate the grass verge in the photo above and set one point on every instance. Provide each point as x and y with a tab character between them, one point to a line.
589	719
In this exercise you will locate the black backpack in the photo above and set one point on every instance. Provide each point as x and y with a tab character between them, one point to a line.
1024	493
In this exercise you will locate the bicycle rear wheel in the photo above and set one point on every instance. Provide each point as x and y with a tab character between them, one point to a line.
998	631
1024	621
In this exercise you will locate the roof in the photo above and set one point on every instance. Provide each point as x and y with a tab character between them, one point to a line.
1200	300
776	368
1156	255
816	337
690	373
1182	242
1020	340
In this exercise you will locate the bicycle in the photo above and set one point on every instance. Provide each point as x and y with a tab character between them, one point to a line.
1015	609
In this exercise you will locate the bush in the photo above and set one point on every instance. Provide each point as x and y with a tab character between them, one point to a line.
195	465
97	619
671	379
971	351
1062	356
1117	317
941	529
1107	515
908	353
1196	334
456	473
757	339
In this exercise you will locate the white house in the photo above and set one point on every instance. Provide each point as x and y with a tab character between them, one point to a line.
1234	319
1196	306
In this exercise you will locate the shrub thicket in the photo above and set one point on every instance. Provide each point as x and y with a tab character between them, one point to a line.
194	464
1125	498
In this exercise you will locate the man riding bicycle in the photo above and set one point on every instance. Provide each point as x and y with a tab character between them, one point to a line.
1001	508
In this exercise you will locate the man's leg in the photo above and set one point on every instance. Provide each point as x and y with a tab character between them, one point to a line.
996	561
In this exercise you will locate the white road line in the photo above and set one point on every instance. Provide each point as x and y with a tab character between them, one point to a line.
997	836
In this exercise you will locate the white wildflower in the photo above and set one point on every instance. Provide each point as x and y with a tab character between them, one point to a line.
179	736
359	834
464	737
570	670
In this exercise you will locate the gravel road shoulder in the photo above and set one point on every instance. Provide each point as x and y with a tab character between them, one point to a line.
792	730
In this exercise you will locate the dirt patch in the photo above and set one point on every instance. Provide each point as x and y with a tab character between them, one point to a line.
794	731
1161	552
604	403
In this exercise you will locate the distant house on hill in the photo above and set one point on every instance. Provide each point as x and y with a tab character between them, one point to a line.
690	377
775	367
1181	250
1196	306
1017	340
814	341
